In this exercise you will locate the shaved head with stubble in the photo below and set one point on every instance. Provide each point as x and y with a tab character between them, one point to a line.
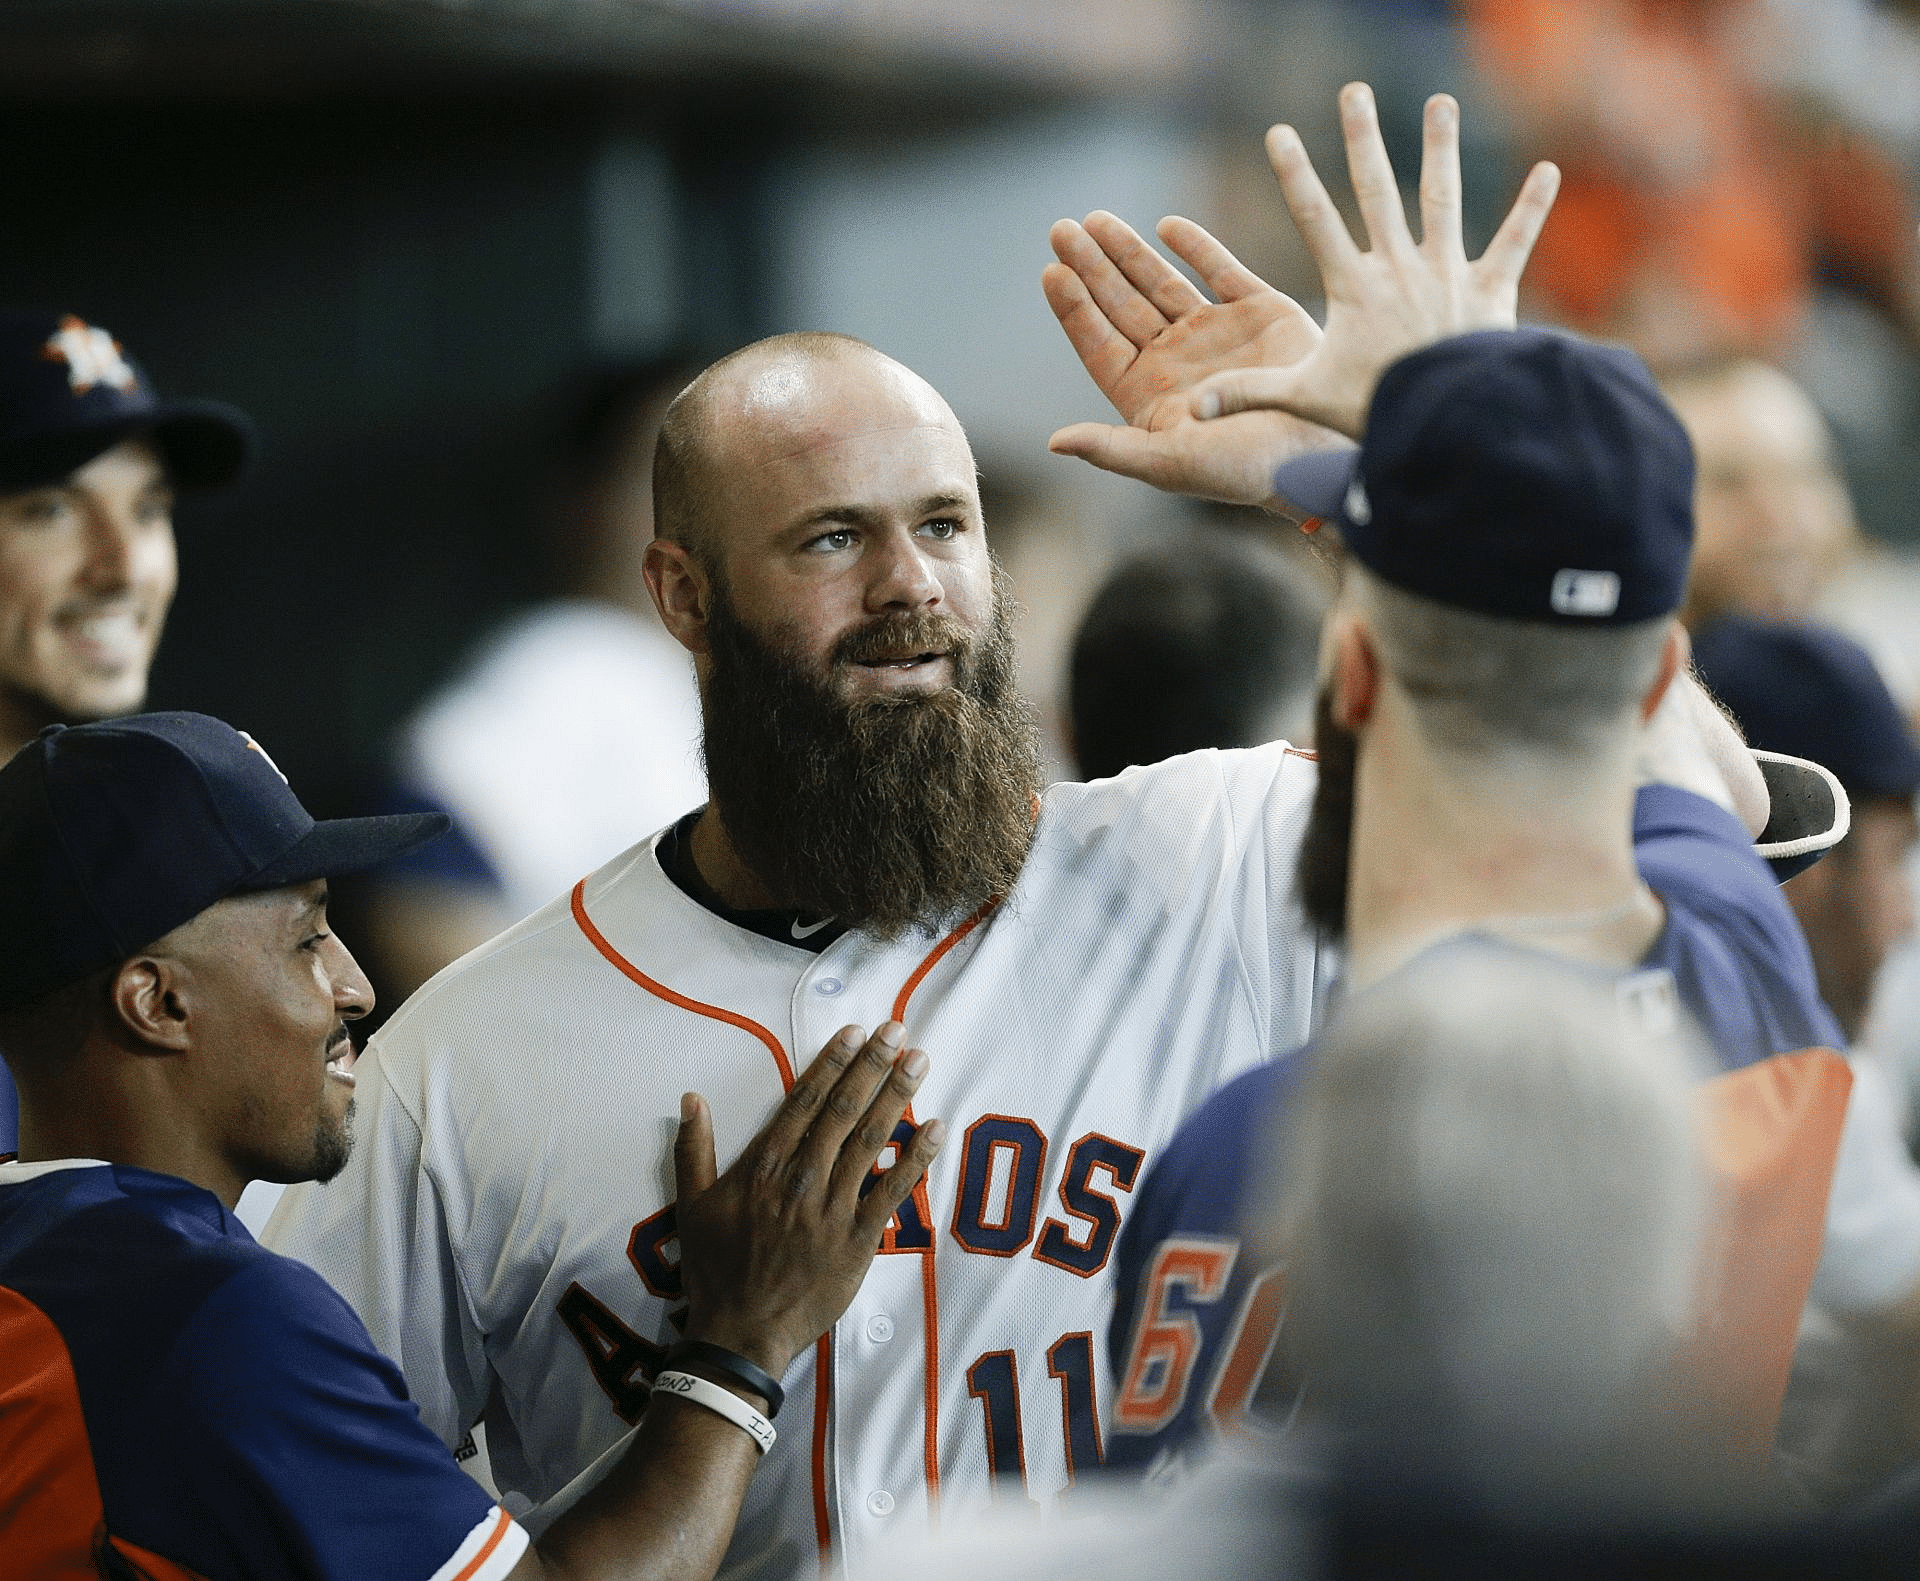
821	553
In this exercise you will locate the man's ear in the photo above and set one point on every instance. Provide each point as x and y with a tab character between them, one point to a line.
1353	671
152	999
681	592
1676	653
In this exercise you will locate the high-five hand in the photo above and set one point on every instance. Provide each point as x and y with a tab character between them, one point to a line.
1148	337
771	1252
1397	296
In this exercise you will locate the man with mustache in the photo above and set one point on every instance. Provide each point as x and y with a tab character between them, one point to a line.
1500	673
177	1402
1086	964
90	462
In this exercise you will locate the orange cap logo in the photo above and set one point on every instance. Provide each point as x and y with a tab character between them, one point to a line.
92	356
254	746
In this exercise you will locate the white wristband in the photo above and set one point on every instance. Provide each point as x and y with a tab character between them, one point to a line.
722	1402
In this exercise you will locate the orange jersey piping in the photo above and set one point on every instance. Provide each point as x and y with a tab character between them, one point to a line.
929	1280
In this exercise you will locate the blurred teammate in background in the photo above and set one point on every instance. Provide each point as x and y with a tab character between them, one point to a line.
1849	1418
573	731
90	462
1814	693
1207	641
1774	522
1778	541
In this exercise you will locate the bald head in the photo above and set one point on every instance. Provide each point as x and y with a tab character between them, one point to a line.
776	399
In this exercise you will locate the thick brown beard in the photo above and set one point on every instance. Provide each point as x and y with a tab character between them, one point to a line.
886	813
1326	851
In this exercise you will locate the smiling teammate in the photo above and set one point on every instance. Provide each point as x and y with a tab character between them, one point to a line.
90	461
176	1402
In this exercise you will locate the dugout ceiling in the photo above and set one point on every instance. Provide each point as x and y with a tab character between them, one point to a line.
397	231
911	55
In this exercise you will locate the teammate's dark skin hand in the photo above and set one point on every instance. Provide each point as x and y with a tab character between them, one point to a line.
772	1251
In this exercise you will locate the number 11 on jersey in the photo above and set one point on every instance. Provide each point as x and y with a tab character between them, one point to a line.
994	1380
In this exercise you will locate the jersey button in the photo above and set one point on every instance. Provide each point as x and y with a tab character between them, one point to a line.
828	986
879	1502
880	1328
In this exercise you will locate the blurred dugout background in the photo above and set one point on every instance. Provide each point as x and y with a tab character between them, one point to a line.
397	231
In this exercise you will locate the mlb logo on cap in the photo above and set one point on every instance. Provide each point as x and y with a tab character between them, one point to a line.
1594	594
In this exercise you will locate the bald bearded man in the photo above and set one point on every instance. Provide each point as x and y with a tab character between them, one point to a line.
1085	964
1099	958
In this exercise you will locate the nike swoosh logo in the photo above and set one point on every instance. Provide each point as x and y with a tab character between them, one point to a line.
811	928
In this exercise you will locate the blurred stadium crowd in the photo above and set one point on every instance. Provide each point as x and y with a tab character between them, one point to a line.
1500	1204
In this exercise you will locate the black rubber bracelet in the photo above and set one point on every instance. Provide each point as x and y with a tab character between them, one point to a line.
735	1366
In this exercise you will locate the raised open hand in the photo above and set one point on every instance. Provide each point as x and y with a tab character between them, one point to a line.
772	1251
1397	296
1148	338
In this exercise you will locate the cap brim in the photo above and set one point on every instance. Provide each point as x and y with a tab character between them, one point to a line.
350	845
1808	813
205	444
1316	484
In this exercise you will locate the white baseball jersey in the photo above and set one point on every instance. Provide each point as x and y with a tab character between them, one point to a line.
505	1226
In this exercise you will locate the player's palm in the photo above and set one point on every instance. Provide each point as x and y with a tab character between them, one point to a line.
1149	338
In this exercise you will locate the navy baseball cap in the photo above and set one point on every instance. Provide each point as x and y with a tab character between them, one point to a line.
68	393
1517	472
1813	693
112	834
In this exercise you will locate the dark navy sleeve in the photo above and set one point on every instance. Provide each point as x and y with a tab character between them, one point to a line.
297	1449
9	1114
1738	957
1183	1287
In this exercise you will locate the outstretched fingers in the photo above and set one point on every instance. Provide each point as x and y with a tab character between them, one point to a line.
1501	265
1375	188
1440	178
1171	292
1314	215
1126	307
1226	276
1103	350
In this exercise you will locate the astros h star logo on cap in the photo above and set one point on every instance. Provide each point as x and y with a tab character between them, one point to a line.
92	356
